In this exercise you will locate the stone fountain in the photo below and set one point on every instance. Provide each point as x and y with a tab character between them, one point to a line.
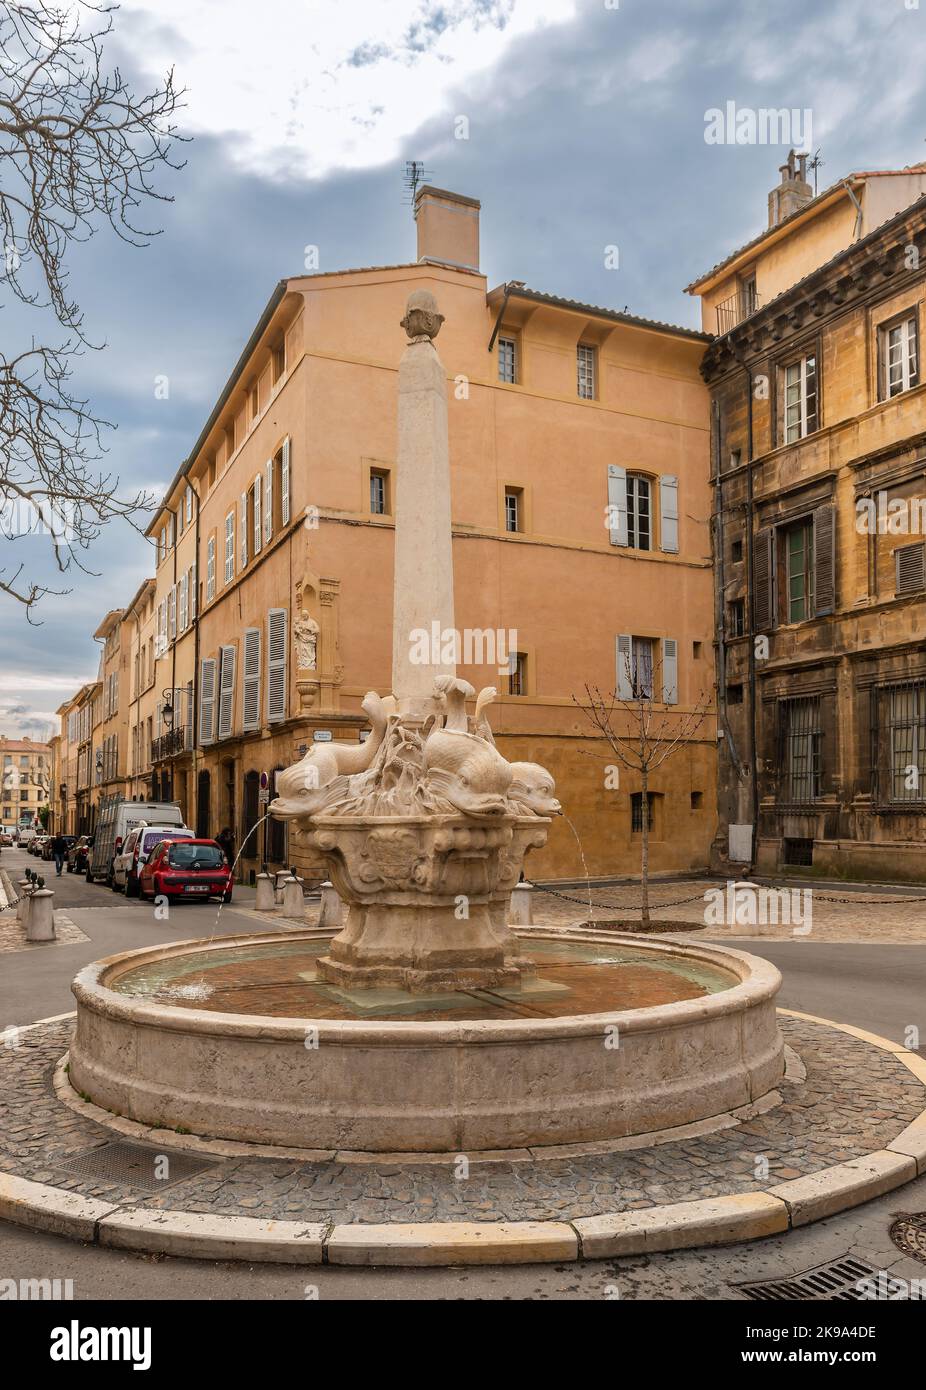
427	1024
426	840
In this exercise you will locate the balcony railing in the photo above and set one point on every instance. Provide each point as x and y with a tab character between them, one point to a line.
173	742
733	310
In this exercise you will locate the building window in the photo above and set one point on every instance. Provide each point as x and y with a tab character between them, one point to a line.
639	530
909	568
585	364
641	663
735	694
507	360
513	509
899	357
736	552
210	569
749	298
697	801
189	504
736	615
799	562
803	746
379	492
800	398
736	458
636	812
517	673
908	742
229	547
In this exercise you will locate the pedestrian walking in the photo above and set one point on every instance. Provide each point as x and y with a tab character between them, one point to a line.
59	848
226	839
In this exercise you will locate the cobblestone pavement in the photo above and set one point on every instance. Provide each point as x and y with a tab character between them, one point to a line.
13	935
863	916
856	1098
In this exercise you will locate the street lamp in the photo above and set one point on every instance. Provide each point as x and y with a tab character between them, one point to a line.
167	710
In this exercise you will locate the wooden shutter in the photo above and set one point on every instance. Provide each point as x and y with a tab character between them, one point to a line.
276	664
284	484
193	587
258	529
909	576
668	513
242	530
669	671
617	504
268	499
226	690
624	666
824	560
251	679
207	699
764	580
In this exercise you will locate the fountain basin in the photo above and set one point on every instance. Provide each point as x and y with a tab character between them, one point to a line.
544	1064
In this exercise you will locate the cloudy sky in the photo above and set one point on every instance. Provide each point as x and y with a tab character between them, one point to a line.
586	128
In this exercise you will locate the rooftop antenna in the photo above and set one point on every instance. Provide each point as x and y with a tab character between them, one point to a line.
415	174
815	163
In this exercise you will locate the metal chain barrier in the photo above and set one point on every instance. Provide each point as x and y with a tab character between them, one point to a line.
678	902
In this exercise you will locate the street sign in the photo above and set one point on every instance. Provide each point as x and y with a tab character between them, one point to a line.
322	736
263	796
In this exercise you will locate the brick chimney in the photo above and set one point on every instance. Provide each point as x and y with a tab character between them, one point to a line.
792	192
448	228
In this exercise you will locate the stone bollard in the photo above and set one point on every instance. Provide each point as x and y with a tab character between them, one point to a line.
266	898
330	911
41	922
522	909
293	899
280	880
25	887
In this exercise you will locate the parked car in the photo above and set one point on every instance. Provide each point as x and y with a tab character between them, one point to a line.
37	845
78	854
117	818
48	851
136	850
6	838
187	869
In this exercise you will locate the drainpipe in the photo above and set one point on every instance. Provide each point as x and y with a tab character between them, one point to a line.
509	286
750	589
194	713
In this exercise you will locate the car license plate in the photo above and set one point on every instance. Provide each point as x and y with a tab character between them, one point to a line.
196	888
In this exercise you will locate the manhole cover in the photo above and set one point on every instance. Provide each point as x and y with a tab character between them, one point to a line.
909	1234
136	1165
837	1279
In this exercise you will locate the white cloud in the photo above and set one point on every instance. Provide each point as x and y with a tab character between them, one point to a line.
323	85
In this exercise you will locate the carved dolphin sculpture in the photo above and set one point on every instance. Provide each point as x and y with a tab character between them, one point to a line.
312	783
463	768
533	790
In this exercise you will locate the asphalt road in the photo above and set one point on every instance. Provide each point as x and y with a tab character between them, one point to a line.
878	987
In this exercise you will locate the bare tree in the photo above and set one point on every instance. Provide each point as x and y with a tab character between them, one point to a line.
643	732
78	150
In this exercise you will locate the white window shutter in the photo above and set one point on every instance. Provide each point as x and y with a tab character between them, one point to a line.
669	671
226	690
251	679
207	699
276	664
268	499
668	513
617	504
624	666
284	484
258	530
193	583
242	530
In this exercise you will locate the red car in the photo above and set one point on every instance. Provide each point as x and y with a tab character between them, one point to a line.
186	869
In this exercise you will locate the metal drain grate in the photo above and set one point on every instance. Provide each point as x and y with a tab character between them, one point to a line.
837	1279
909	1234
136	1165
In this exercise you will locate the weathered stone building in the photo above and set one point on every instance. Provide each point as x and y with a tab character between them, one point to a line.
819	453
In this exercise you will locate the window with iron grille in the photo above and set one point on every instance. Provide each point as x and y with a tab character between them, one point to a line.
907	741
585	363
803	740
507	360
636	812
899	357
800	398
639	530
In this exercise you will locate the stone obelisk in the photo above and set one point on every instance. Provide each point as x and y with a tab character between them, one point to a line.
422	607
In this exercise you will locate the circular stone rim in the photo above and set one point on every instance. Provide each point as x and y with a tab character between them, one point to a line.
759	982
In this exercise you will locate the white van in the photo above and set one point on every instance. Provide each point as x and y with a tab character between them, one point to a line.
117	819
136	849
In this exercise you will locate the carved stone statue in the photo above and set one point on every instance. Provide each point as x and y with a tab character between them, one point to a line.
305	636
